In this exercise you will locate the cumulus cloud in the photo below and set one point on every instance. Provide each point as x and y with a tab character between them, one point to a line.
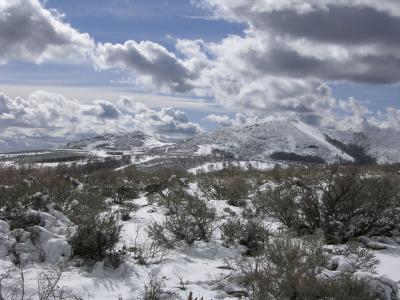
325	39
291	51
351	115
237	120
165	122
29	32
281	64
45	119
151	63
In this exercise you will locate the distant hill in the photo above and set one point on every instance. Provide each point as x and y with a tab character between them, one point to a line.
283	140
122	141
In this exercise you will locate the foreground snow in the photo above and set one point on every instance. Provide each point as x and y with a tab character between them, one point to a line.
244	165
198	268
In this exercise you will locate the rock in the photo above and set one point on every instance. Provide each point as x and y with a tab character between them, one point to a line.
4	227
376	246
368	243
340	263
384	288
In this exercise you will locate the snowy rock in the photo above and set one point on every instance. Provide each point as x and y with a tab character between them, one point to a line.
340	263
56	249
5	245
4	227
22	248
368	243
233	290
384	287
152	210
52	247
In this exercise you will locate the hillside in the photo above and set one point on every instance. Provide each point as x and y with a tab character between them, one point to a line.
260	141
123	141
280	141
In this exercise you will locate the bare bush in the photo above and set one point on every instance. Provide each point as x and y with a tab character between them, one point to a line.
252	233
283	270
147	251
122	192
291	269
96	236
13	285
233	189
295	205
341	201
353	205
189	220
153	290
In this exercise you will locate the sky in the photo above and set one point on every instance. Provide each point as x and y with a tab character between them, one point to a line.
176	68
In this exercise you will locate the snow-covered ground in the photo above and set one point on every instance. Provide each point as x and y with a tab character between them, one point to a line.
245	165
185	269
198	268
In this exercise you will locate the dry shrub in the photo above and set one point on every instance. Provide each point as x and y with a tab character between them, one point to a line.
190	219
291	269
96	236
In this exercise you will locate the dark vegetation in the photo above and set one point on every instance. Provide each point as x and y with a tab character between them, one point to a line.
341	202
291	156
357	151
234	189
96	237
189	219
291	269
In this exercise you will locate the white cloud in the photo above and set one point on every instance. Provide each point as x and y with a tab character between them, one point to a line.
45	119
280	65
325	39
389	119
152	64
237	120
29	32
291	49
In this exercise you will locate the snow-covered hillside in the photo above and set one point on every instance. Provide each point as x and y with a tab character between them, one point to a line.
259	141
123	141
280	141
383	144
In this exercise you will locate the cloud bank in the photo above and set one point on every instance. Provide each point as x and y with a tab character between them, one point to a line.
282	64
29	32
46	120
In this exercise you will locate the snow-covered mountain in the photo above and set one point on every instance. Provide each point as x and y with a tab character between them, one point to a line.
122	141
382	144
261	141
283	139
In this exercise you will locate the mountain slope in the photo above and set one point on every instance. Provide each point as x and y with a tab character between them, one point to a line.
283	139
122	141
382	144
259	141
